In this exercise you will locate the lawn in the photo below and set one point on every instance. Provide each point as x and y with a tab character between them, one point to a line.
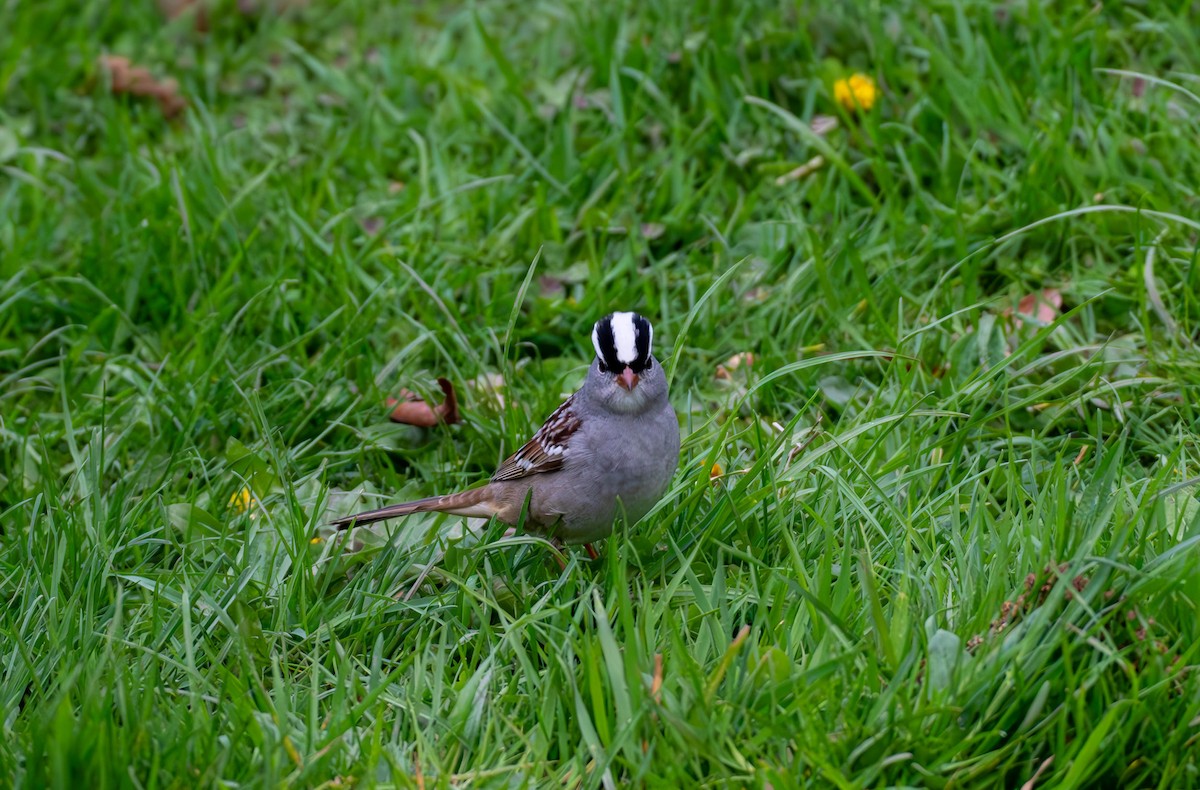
935	522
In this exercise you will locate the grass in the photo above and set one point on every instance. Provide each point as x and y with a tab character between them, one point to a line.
979	572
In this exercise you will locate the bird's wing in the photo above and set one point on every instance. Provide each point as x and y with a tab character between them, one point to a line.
546	451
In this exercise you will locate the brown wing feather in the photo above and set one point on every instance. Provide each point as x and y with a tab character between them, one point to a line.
547	449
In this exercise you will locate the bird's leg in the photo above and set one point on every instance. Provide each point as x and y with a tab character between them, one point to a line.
559	547
591	550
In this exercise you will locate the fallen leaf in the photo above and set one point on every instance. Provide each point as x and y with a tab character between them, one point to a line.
726	368
410	409
741	358
124	77
1042	306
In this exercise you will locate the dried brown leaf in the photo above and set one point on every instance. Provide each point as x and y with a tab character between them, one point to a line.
741	358
411	409
1043	306
726	368
124	77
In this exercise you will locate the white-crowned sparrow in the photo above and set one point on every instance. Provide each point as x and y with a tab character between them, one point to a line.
609	450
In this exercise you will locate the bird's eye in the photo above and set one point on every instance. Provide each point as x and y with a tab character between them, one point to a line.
602	366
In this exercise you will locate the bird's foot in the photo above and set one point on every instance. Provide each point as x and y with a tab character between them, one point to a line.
591	550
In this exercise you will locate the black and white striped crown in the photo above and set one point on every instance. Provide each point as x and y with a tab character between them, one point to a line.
623	339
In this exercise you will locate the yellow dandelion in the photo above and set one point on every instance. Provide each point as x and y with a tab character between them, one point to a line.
316	540
240	501
714	471
857	92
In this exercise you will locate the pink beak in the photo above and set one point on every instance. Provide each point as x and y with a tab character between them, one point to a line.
627	379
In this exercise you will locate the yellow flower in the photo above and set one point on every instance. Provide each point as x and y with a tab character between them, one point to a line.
857	92
240	501
714	472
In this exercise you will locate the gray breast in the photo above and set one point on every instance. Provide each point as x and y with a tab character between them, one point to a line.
628	459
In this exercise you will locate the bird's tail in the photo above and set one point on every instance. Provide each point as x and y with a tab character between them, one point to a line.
472	503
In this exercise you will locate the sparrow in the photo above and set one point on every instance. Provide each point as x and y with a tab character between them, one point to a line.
610	450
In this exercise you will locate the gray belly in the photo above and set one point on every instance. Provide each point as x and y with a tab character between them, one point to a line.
629	466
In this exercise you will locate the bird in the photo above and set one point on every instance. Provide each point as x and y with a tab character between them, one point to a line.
610	450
